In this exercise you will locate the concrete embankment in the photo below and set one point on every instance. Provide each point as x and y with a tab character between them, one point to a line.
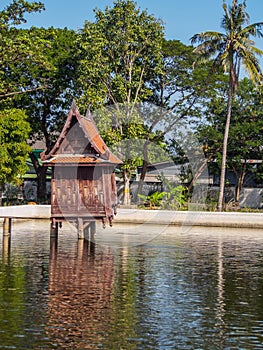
191	218
158	217
26	212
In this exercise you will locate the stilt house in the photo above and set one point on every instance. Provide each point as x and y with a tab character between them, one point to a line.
83	187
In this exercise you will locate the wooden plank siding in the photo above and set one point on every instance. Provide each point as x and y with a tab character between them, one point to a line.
83	185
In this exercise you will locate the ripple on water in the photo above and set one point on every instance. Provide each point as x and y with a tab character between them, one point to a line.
196	290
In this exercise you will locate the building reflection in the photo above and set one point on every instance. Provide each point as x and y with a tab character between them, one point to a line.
80	291
6	248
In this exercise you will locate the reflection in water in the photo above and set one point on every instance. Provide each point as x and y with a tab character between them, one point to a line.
220	290
80	290
200	290
6	247
23	276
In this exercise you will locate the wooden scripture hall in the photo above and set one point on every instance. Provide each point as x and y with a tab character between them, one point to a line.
83	186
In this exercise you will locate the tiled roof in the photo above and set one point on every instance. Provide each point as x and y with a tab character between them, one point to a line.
75	159
91	133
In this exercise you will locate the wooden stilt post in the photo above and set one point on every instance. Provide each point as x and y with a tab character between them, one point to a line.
89	230
92	247
80	249
53	247
6	246
80	228
92	230
7	226
54	229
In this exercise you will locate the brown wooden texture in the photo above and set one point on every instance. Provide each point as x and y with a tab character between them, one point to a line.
83	184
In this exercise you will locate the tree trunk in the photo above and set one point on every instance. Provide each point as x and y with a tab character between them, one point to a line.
142	178
240	182
1	193
41	184
197	174
41	178
224	152
126	190
144	169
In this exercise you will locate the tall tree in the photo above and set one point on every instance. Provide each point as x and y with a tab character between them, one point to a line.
17	48
230	49
178	92
14	13
47	106
14	131
121	53
38	69
245	132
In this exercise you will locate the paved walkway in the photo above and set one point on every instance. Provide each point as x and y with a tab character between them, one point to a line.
159	217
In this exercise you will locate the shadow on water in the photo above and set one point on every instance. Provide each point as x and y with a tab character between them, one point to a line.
200	290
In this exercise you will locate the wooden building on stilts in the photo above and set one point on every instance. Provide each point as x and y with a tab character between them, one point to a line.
83	187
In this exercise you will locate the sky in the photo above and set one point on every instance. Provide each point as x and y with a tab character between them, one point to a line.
182	18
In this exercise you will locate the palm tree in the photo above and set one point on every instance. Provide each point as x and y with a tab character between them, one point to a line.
229	50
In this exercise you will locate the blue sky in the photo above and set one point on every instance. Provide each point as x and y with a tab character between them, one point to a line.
183	18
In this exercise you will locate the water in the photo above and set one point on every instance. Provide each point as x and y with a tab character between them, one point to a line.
202	289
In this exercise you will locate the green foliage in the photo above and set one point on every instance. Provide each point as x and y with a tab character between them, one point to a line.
229	50
153	200
13	14
38	67
120	52
19	49
175	198
124	130
233	46
245	132
47	106
12	195
14	130
180	90
178	85
259	174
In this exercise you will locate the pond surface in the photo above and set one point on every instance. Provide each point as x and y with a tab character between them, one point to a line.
202	289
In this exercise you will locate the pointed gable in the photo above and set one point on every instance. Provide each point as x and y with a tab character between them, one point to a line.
79	142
